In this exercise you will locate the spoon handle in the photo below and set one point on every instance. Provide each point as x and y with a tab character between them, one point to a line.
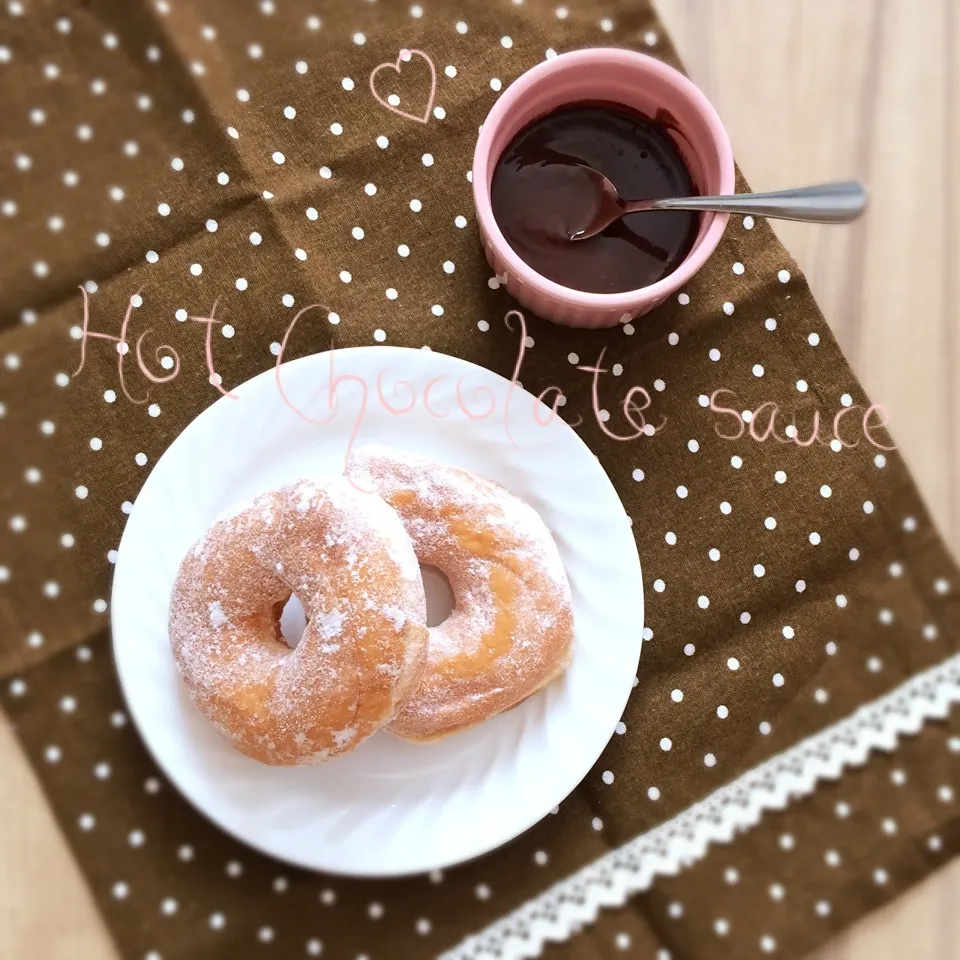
825	203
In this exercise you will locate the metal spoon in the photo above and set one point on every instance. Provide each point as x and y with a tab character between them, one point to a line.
825	203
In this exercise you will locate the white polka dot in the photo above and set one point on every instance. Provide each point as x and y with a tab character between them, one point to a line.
703	602
733	663
496	84
725	508
721	926
301	66
714	354
265	934
346	276
813	339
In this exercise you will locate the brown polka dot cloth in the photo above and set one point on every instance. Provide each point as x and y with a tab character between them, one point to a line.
788	759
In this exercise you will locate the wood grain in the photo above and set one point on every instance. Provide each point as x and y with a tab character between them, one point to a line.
810	90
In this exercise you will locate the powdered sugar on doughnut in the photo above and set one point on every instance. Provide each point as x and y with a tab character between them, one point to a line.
334	547
217	617
511	631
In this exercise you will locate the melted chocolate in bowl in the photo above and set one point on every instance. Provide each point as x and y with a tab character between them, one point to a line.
540	197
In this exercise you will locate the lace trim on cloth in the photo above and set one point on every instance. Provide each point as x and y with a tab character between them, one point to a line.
560	912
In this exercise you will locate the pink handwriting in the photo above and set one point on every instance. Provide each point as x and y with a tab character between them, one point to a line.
761	424
162	352
479	402
396	396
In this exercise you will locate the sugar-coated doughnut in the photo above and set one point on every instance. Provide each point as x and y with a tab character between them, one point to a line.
345	555
511	631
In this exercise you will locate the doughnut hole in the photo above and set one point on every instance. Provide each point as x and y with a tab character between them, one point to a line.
440	604
293	620
439	593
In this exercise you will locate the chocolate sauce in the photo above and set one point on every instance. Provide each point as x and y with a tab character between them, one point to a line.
540	196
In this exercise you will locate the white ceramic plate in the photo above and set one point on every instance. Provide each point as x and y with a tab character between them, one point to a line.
388	808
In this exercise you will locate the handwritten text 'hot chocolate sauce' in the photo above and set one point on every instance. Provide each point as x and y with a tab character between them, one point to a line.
477	402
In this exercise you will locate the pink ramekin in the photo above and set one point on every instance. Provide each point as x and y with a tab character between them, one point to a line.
637	81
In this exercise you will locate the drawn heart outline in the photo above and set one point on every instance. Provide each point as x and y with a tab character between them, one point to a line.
395	66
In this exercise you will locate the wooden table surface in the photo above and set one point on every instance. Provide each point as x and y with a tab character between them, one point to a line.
810	90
